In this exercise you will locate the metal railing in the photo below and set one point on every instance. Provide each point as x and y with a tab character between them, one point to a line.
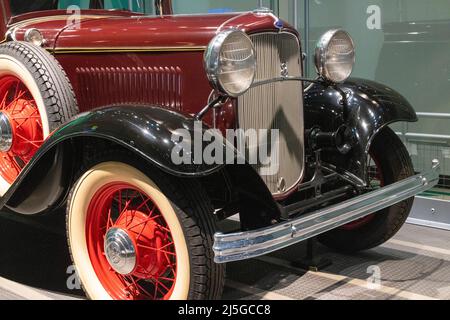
427	136
433	115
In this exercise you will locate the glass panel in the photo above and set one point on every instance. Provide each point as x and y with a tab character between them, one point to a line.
26	6
64	4
140	6
214	6
144	6
404	44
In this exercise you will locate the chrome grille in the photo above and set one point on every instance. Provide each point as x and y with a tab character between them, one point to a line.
277	105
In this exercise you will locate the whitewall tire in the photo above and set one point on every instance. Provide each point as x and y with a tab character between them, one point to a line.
36	99
117	254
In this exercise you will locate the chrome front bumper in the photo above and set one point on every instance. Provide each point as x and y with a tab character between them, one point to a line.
246	245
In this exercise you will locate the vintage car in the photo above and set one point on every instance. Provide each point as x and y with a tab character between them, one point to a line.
92	96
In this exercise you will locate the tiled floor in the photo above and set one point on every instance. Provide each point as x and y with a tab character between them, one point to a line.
34	264
414	265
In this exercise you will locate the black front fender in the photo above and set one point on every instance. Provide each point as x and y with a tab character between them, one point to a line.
147	131
365	108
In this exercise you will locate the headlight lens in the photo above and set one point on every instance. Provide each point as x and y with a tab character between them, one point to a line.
335	56
230	62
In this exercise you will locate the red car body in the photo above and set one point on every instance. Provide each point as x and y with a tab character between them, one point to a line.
134	51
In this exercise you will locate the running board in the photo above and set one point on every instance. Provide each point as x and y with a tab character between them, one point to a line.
246	245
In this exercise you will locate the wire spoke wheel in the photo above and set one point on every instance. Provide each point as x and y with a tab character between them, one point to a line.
22	128
131	238
130	244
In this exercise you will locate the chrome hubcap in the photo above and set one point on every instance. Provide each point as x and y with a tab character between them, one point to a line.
6	134
120	251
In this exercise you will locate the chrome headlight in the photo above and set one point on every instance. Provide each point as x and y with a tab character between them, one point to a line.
335	56
230	63
34	36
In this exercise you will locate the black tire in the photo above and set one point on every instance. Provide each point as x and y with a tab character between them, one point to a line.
55	88
194	212
395	162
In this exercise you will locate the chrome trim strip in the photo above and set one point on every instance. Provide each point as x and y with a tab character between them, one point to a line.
281	79
125	49
251	244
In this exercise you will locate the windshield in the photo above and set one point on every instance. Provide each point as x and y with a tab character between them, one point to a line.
26	6
139	6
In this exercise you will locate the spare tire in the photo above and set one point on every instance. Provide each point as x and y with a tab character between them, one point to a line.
36	97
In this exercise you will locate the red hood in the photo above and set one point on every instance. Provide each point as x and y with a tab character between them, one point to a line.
97	32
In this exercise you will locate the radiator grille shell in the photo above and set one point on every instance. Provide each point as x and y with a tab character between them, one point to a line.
278	105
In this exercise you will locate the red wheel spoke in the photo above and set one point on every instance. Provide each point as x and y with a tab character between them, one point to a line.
109	222
19	96
156	249
15	101
14	163
122	279
164	228
166	279
126	282
16	90
156	290
125	208
157	285
167	257
120	200
137	287
3	104
36	144
145	222
124	213
140	288
142	204
150	211
25	119
161	284
160	249
167	245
